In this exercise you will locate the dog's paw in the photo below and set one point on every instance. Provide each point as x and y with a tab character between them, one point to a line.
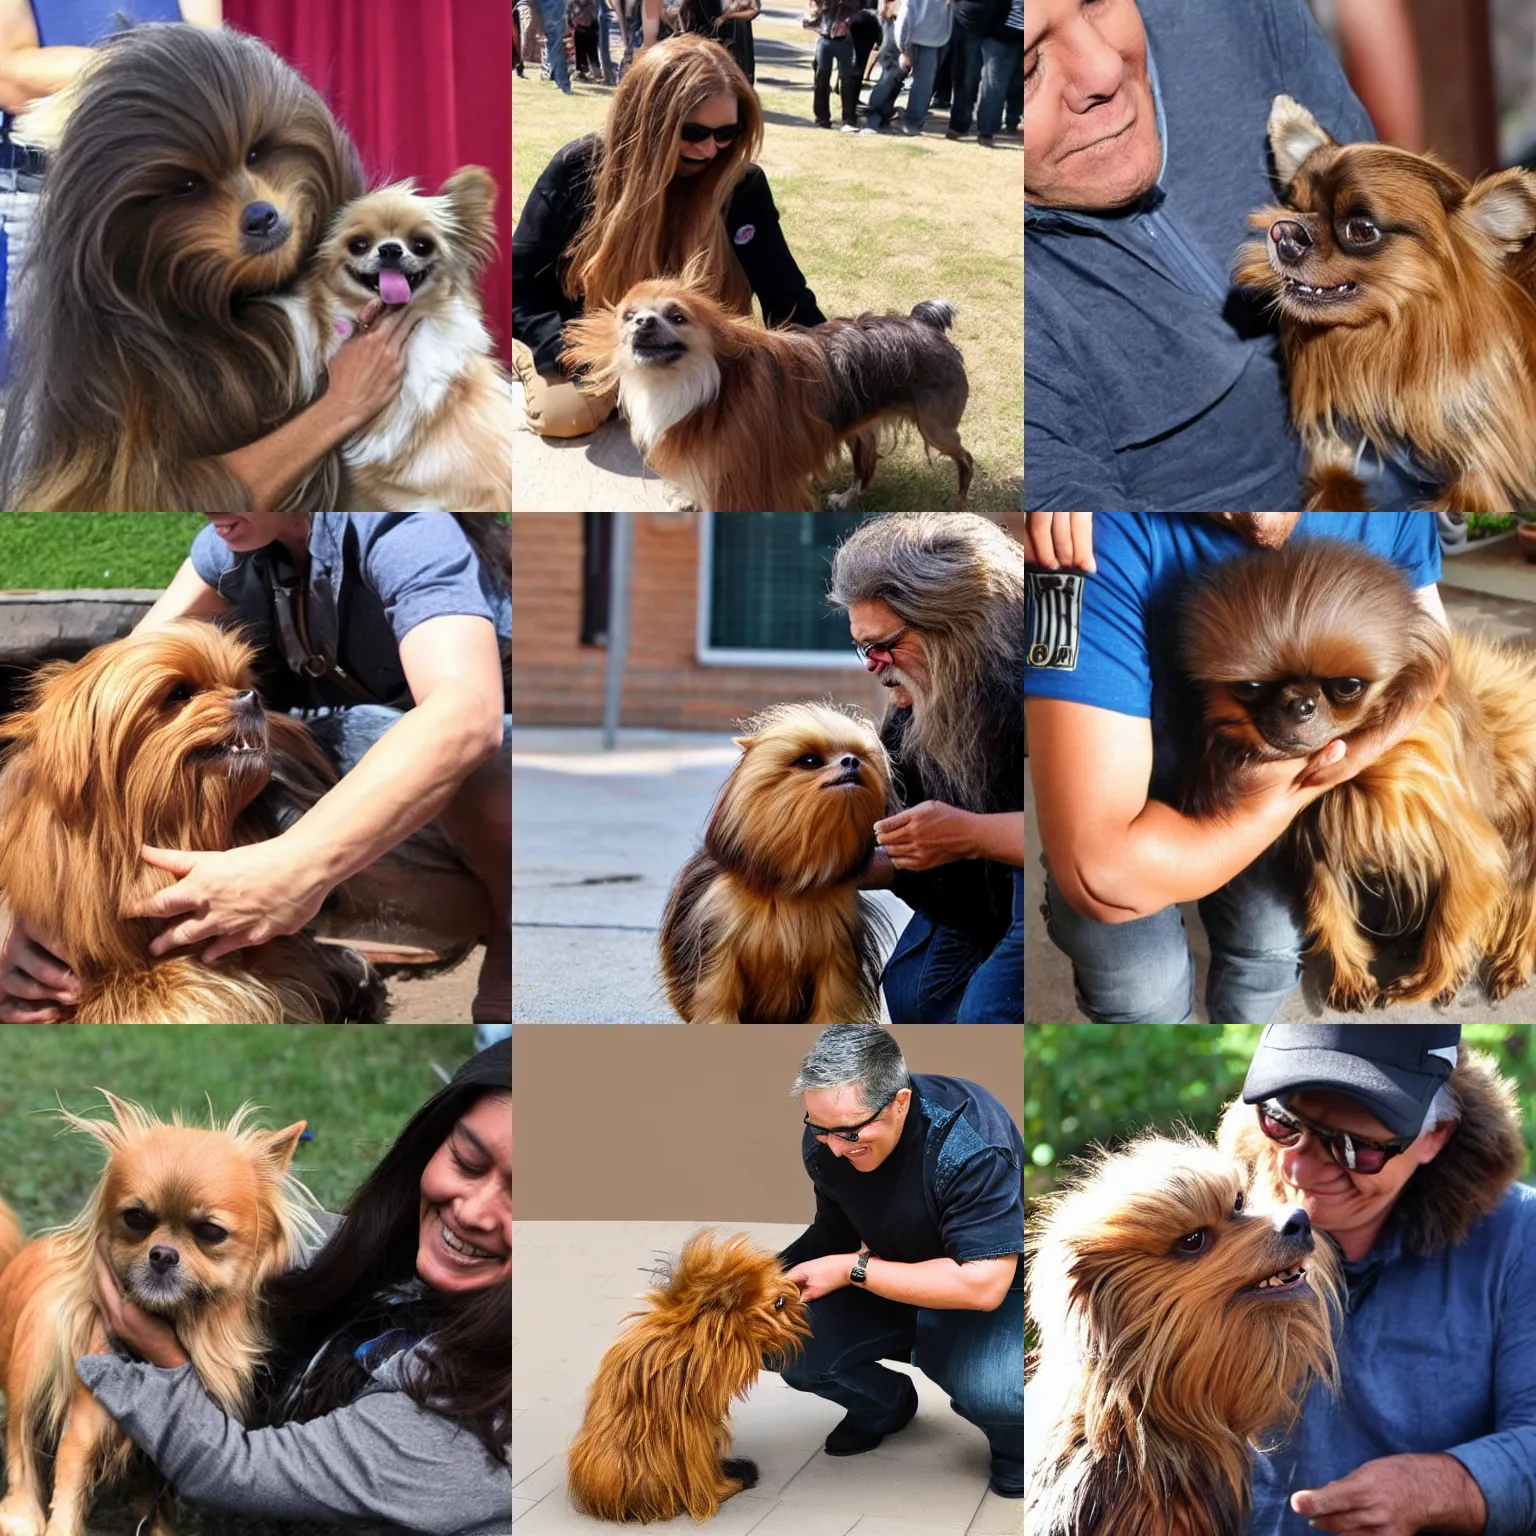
677	499
845	501
1350	993
740	1470
21	1516
1503	977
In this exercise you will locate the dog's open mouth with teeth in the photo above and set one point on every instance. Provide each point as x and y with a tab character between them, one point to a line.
392	284
1308	294
1282	1282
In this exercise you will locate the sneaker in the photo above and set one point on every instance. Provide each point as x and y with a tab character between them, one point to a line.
850	128
985	140
911	132
821	124
870	133
957	133
849	1440
1005	1490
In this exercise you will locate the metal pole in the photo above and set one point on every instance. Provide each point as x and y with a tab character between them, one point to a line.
621	563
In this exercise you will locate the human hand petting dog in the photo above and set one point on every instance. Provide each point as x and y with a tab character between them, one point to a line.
1397	1496
927	834
36	985
234	896
149	1337
818	1277
369	367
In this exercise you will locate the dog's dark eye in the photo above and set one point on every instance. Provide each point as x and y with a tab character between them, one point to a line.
1247	691
1192	1243
1345	688
252	155
778	1303
209	1233
359	245
422	246
180	694
807	760
1360	231
628	314
1237	1205
677	317
138	1221
190	187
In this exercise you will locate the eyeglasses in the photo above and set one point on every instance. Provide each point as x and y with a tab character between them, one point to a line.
1285	1127
849	1132
696	133
880	645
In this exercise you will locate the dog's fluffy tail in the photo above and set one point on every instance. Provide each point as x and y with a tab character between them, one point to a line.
939	313
743	1470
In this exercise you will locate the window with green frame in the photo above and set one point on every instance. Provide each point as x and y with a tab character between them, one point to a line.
768	581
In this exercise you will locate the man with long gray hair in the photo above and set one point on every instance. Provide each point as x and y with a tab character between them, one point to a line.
935	605
913	1255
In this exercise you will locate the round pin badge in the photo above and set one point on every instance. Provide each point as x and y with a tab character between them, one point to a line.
745	233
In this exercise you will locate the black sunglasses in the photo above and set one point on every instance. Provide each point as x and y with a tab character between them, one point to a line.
849	1132
1285	1127
696	133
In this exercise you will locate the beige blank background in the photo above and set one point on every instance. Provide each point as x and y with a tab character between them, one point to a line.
638	1122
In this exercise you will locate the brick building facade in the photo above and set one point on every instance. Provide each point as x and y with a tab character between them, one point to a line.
558	680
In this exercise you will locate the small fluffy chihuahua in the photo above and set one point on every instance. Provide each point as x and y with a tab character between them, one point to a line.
1407	302
446	443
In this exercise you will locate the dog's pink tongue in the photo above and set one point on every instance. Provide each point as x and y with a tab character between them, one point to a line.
393	288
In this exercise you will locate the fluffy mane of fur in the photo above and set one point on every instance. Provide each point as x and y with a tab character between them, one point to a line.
657	1424
140	356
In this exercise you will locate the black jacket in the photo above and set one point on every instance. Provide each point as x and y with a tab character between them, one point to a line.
561	203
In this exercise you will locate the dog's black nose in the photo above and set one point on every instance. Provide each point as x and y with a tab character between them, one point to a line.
1301	708
391	251
162	1259
1291	239
848	760
645	324
1297	1224
259	220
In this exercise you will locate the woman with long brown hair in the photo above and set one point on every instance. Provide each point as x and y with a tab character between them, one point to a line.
672	175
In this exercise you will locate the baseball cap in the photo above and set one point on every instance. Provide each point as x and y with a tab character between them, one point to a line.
1391	1069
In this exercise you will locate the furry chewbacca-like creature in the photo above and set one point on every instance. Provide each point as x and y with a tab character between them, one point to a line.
1176	1327
158	739
766	925
657	1423
195	172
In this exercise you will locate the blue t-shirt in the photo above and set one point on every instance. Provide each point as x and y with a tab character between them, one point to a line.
1124	656
1438	1354
82	23
373	577
1150	381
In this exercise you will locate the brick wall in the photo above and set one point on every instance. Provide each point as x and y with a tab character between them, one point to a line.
558	681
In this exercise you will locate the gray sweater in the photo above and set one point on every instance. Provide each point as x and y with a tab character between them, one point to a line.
380	1458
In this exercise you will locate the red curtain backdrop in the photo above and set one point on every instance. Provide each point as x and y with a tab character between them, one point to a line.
423	88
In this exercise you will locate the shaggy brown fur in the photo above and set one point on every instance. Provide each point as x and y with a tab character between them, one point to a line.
196	172
159	739
658	1416
1446	1198
1163	1358
1295	648
766	924
1407	303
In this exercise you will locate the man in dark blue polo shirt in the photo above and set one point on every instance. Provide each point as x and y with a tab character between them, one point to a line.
1151	382
913	1255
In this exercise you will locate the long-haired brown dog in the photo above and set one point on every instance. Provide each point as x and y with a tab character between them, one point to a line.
745	419
1177	1326
765	923
195	172
160	739
1293	649
192	1222
1407	302
657	1424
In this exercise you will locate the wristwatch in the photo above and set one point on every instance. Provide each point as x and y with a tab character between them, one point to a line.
860	1271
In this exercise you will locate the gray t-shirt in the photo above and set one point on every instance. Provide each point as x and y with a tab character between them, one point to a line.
373	577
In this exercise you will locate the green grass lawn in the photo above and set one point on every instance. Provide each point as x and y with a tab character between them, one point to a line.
53	551
875	224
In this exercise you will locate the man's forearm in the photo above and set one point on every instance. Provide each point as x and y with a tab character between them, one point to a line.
272	465
998	836
27	74
402	782
933	1283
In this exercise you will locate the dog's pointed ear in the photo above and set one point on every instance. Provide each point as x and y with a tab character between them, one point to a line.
1503	207
744	741
471	197
1294	134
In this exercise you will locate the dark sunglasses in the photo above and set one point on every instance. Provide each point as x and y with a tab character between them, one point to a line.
848	1132
1285	1127
696	133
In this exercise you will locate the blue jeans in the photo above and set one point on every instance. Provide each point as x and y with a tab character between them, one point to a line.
925	65
976	1357
1000	62
553	13
604	55
938	975
964	74
830	50
1141	972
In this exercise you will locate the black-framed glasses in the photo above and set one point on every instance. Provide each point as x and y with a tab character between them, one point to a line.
1285	1128
880	645
696	133
849	1132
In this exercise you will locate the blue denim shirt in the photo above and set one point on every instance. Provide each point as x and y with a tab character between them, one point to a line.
1151	383
1438	1354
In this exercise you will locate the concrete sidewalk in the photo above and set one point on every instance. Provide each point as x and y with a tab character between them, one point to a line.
575	1282
597	839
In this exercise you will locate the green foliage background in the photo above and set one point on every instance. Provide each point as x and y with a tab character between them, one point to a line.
1086	1083
57	551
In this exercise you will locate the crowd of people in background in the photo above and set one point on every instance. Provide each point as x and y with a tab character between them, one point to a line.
960	57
